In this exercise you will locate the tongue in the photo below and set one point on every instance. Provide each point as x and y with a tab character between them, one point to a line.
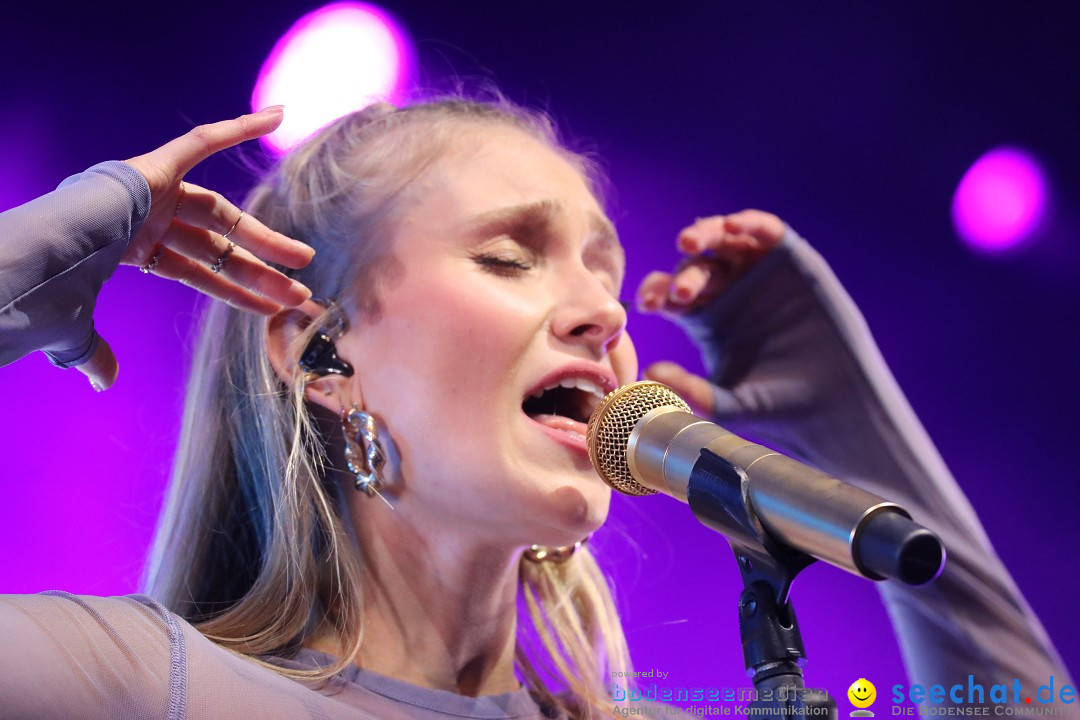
561	422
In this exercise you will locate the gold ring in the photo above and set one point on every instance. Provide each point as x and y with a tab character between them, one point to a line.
226	235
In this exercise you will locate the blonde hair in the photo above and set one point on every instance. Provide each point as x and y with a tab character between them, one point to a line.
252	548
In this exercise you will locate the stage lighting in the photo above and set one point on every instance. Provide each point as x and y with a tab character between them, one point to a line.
332	61
1000	200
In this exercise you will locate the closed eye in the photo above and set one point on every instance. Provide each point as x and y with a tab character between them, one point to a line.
503	265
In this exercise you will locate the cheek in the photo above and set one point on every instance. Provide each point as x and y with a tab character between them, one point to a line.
444	354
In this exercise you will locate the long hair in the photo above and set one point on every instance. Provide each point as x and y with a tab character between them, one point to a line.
252	548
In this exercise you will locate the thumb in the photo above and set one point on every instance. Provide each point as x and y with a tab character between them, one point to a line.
101	369
698	392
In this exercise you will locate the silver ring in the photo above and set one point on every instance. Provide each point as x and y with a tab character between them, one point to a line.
152	263
226	235
220	262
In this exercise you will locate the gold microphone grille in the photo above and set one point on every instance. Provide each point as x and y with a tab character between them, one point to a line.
613	421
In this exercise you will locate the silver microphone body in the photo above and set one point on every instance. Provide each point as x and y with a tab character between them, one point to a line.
792	503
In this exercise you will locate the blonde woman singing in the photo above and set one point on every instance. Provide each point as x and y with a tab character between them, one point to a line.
381	499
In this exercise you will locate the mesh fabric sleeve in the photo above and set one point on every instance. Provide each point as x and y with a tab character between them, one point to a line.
794	366
126	658
55	254
66	656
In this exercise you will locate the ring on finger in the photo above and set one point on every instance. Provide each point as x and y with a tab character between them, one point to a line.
226	235
153	261
220	262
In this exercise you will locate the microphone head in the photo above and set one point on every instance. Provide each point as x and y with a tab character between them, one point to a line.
611	424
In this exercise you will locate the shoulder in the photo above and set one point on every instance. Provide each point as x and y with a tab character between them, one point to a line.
66	656
80	656
122	621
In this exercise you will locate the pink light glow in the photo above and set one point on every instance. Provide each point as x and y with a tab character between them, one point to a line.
1000	200
332	61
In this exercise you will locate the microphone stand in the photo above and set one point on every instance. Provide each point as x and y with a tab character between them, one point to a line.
772	645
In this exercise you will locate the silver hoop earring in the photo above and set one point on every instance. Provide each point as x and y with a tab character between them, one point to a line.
542	553
363	453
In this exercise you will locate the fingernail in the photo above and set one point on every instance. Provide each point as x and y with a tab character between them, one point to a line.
273	109
299	287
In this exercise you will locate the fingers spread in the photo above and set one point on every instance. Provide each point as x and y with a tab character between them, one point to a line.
746	233
210	210
241	267
690	282
700	236
175	266
653	291
695	283
714	236
766	229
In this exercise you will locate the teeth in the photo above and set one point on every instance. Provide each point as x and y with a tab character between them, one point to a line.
573	382
582	384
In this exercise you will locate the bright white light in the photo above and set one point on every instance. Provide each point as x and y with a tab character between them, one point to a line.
332	61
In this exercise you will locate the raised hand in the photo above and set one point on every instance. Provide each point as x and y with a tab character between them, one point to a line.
717	251
183	237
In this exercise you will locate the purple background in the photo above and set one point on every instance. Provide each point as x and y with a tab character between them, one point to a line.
853	123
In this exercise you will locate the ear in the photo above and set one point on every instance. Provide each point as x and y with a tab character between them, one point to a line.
294	333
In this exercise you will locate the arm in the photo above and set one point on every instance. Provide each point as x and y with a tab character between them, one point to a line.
68	656
793	364
56	253
88	657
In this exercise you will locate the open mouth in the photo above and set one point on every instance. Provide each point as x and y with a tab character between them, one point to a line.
565	405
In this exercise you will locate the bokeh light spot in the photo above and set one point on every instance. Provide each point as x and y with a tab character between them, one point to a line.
332	61
1000	200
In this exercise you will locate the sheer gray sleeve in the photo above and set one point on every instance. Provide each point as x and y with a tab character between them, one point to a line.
125	658
795	367
66	657
55	254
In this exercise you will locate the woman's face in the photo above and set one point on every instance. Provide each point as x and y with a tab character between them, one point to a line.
499	330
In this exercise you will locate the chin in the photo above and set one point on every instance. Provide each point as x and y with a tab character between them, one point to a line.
575	511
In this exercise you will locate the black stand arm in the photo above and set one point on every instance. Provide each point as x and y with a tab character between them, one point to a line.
772	646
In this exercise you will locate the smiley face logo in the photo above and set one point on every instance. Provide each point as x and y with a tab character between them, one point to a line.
862	694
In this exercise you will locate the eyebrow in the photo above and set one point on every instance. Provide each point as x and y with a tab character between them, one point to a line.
532	222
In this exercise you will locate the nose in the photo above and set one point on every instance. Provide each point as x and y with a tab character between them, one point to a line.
589	314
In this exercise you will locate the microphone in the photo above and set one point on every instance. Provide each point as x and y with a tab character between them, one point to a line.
643	439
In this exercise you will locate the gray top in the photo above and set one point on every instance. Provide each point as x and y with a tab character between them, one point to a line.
794	366
55	254
128	657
